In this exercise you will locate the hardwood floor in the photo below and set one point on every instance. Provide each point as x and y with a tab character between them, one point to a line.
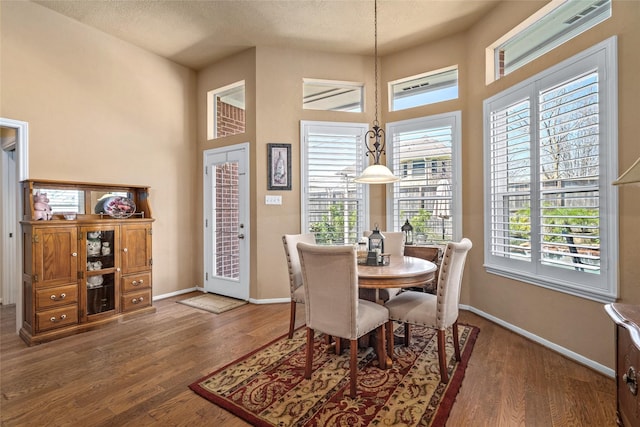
136	373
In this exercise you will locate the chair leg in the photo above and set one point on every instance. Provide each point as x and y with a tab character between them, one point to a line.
338	345
381	347
407	334
389	338
442	356
292	319
353	368
456	343
309	358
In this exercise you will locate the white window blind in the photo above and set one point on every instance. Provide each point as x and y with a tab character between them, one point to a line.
550	158
427	152
510	181
334	207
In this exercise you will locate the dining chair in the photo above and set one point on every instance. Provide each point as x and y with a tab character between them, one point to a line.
438	311
332	306
393	245
295	273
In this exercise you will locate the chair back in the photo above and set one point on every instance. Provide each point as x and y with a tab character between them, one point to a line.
330	275
293	261
450	281
393	242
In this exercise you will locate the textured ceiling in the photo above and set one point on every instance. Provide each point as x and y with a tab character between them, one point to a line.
197	33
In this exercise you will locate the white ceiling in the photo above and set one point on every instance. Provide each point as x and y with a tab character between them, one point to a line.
197	33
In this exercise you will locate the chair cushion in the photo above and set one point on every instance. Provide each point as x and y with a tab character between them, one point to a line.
298	295
370	316
417	308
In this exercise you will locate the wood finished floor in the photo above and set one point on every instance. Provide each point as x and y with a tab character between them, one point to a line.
136	373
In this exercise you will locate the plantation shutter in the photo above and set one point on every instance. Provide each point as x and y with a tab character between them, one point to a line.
510	181
423	157
334	207
569	174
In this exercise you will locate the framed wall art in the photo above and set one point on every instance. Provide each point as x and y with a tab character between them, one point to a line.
279	166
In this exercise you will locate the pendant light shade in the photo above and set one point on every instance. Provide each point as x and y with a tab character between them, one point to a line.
376	173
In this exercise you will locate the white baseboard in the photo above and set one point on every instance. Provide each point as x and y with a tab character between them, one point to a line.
176	293
269	301
546	343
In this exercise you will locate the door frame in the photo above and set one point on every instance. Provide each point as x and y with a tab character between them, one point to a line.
9	201
245	261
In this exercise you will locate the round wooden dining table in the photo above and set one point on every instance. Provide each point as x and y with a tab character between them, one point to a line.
402	272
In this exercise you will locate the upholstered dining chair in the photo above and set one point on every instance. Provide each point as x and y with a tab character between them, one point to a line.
438	311
393	245
332	306
295	273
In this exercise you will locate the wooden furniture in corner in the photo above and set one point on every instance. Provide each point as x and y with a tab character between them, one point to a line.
627	320
81	273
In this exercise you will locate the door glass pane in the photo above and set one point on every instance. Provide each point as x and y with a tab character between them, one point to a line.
100	274
225	214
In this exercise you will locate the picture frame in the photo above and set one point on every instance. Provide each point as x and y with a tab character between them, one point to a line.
278	166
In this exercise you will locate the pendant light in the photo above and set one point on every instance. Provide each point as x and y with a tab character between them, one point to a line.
376	173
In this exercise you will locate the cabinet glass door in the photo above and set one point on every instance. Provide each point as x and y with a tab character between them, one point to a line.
100	271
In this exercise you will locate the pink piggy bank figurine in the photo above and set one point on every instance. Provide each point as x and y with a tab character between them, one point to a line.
41	208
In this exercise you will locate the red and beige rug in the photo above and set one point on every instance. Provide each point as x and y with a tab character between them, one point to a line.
267	387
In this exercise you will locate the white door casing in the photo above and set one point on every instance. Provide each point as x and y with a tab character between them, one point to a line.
14	168
226	221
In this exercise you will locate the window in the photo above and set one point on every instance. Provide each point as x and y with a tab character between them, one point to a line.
226	111
552	26
428	88
329	95
429	197
550	158
334	207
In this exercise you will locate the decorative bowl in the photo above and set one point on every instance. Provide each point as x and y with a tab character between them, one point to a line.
69	216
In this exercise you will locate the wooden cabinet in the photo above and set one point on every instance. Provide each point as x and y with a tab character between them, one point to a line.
627	320
86	271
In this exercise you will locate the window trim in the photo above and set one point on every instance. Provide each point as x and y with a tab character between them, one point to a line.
454	119
391	84
212	109
304	214
604	57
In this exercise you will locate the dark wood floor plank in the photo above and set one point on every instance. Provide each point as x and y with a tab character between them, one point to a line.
136	372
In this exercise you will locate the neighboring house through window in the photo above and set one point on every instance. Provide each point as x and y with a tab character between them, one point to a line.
429	197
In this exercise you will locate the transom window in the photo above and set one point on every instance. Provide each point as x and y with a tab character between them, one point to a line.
428	88
556	23
330	95
226	111
550	158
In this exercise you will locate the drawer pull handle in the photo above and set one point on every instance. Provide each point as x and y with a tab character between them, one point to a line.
55	298
74	254
137	282
137	300
134	283
630	379
54	320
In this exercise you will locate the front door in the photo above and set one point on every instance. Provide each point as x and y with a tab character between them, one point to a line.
226	217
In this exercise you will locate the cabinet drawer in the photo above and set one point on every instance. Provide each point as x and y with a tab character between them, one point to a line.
56	318
56	297
135	282
135	300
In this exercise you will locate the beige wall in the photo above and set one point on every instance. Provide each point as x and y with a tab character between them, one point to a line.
101	110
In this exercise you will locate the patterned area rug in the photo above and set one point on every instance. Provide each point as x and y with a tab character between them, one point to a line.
213	303
267	387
